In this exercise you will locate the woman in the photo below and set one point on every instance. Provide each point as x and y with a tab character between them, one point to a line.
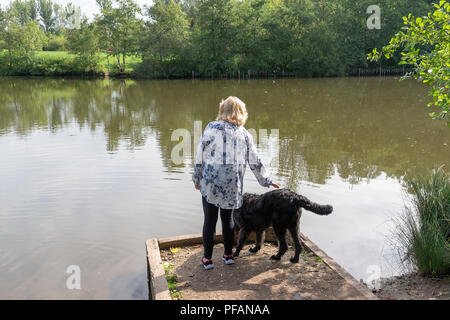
220	161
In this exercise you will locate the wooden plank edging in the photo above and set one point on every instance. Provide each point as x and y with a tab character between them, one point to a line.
183	241
193	239
159	289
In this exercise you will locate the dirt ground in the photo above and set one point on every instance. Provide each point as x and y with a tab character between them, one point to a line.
256	277
414	287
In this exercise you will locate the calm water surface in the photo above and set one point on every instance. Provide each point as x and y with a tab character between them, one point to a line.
86	174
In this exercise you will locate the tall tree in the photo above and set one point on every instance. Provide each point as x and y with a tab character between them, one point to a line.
84	42
20	41
120	28
165	38
167	31
24	10
69	16
34	9
48	19
214	33
2	16
104	4
2	26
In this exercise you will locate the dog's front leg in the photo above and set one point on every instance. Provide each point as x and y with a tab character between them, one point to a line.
259	241
243	234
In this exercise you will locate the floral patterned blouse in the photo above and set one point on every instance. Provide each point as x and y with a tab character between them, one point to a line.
220	161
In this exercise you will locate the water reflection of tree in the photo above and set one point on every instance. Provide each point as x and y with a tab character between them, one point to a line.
343	125
326	125
53	104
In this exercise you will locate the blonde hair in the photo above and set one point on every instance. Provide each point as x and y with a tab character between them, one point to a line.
233	110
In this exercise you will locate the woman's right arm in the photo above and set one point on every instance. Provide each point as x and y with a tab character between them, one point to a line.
256	165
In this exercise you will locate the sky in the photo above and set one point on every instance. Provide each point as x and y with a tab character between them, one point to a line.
88	7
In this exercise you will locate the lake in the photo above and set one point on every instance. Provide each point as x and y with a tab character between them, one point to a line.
86	173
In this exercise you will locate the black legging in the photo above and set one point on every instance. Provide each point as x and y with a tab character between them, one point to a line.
209	228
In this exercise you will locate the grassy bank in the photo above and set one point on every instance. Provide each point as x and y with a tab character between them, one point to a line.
63	63
423	231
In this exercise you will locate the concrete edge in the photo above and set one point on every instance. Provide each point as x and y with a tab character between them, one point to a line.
193	239
362	289
157	283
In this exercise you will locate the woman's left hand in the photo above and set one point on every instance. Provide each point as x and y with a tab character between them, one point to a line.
197	187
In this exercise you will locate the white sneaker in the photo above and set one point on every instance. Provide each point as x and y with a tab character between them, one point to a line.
207	264
228	259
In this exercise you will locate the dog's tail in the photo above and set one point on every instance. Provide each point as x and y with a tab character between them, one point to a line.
314	207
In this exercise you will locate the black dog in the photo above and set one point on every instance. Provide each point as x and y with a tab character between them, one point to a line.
280	208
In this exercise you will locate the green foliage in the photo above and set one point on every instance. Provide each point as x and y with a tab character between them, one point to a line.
213	34
2	21
422	233
56	43
172	280
51	16
19	41
46	12
263	37
165	38
84	42
44	65
24	11
70	16
306	38
425	45
120	29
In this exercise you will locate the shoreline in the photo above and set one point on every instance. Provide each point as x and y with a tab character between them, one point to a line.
413	286
139	77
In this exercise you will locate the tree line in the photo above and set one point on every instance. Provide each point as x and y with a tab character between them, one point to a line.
208	38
